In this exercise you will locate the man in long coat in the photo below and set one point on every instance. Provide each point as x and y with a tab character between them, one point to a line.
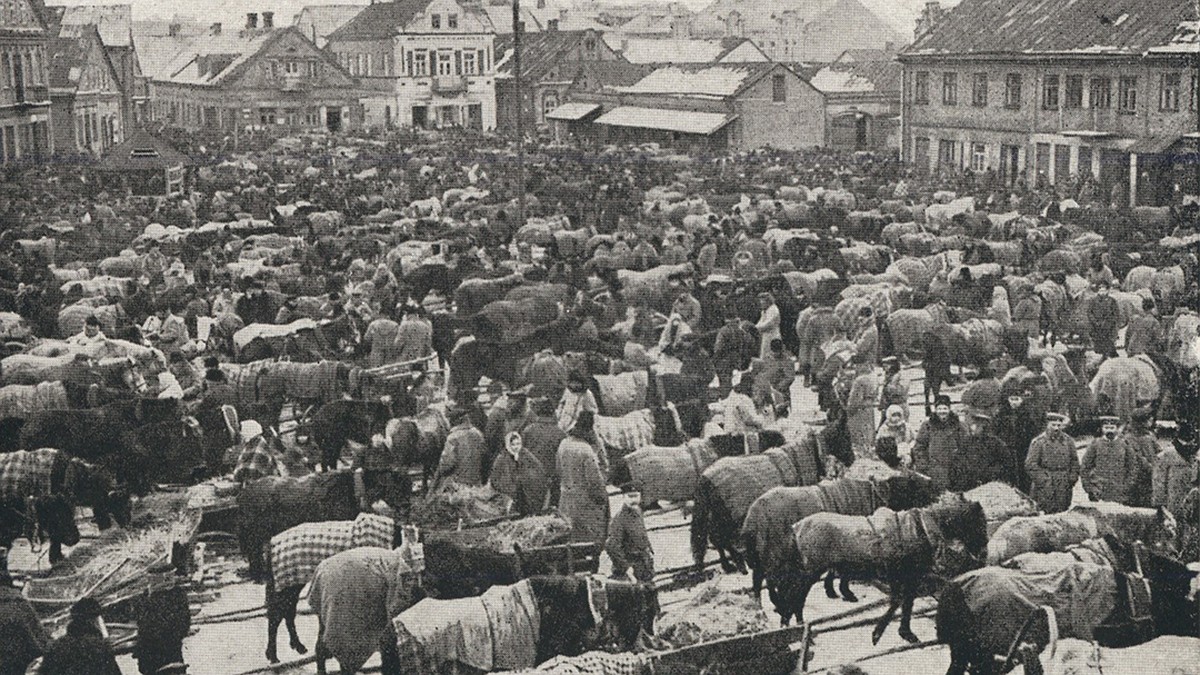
462	458
860	408
1140	437
583	498
1104	320
1053	466
983	458
1111	467
938	442
728	352
1015	426
414	338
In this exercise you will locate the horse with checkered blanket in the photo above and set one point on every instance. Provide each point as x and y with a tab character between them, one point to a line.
39	490
293	555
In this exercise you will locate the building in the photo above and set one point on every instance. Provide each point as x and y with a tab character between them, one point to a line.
318	22
817	30
427	63
708	108
862	90
262	76
24	83
85	92
115	25
1058	90
686	50
551	62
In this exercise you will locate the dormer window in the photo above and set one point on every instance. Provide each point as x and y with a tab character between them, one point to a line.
435	21
451	21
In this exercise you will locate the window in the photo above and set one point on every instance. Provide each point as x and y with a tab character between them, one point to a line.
589	44
946	153
979	89
469	63
6	66
1050	92
420	63
921	88
549	102
1074	93
1194	92
312	68
1041	160
445	64
978	157
451	21
949	88
266	116
1100	93
291	67
1127	95
390	61
435	21
778	88
1169	85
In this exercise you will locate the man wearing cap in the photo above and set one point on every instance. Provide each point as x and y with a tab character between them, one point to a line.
860	408
84	650
414	338
576	398
729	352
1111	467
628	545
866	344
688	308
768	324
541	437
1052	465
1104	319
583	497
464	452
939	441
1139	435
1015	426
983	458
91	334
22	636
1144	335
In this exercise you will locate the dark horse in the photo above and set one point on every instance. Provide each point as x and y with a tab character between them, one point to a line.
905	550
1012	625
49	517
768	525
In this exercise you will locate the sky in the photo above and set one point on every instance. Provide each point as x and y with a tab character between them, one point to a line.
901	13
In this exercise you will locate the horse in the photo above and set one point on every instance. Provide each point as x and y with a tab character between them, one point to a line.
49	517
419	440
337	422
996	618
1054	532
905	550
769	521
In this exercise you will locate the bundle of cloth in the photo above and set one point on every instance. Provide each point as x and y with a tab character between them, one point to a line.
1127	383
624	393
669	474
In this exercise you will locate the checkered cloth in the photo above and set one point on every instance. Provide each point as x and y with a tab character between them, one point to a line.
593	663
255	461
296	552
26	473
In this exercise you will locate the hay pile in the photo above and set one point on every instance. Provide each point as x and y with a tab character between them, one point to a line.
528	533
870	469
711	614
1001	501
443	508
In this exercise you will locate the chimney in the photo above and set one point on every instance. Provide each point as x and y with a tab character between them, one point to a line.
889	46
562	15
268	19
173	29
215	29
541	4
552	25
930	17
251	20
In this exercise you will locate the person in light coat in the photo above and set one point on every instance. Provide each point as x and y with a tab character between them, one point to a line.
583	497
1052	466
768	324
860	408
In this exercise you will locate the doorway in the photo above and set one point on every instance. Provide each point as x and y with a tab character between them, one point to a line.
333	120
1010	163
861	132
420	116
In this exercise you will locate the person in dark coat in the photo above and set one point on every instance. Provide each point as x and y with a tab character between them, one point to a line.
163	621
1104	320
518	473
1139	435
503	420
583	498
728	352
1144	334
939	441
21	634
1053	466
983	458
1111	467
463	454
84	649
1016	427
541	437
628	545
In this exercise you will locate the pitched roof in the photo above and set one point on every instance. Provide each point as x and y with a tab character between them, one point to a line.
674	50
540	52
1055	26
157	52
682	121
140	151
380	20
210	59
115	22
881	76
322	20
705	81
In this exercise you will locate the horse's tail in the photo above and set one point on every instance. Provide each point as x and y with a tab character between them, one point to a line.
953	620
701	515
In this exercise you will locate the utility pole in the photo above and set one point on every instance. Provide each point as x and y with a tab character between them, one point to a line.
516	22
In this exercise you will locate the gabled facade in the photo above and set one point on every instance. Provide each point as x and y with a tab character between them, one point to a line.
862	93
263	77
85	92
317	22
1058	92
24	84
115	25
427	63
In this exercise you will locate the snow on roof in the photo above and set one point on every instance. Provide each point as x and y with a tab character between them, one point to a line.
572	111
231	48
714	81
115	22
654	50
681	121
841	82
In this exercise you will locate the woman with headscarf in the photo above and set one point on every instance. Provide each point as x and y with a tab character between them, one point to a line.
518	473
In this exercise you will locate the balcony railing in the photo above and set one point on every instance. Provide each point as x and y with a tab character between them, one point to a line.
449	84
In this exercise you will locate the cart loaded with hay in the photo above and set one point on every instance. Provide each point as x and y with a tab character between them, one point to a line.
1002	502
472	542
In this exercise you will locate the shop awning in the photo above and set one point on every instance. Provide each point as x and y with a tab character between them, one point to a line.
681	121
1085	133
1152	145
572	112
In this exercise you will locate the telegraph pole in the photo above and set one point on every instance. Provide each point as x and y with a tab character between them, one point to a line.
516	22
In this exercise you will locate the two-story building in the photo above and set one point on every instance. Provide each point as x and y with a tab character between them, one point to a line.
428	63
85	91
862	90
1056	91
262	76
115	25
24	83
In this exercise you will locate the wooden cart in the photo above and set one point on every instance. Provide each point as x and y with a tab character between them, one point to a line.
773	652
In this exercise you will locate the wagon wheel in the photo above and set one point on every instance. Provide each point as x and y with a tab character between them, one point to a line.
1022	649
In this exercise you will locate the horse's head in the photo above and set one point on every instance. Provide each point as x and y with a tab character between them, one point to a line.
909	491
962	544
54	517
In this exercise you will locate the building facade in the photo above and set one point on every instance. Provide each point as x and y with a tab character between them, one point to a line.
263	77
115	25
85	92
1060	94
427	64
24	84
862	94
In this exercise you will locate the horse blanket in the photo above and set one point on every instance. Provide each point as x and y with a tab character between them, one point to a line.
826	540
738	481
624	393
1052	532
1081	594
626	433
255	461
1093	551
19	400
26	473
296	552
669	473
1126	381
496	631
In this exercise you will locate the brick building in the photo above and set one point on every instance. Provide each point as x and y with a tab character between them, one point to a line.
1057	90
24	83
427	63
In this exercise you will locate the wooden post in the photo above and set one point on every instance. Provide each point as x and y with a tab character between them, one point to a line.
516	21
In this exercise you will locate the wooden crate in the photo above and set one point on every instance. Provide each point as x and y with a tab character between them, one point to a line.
766	653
